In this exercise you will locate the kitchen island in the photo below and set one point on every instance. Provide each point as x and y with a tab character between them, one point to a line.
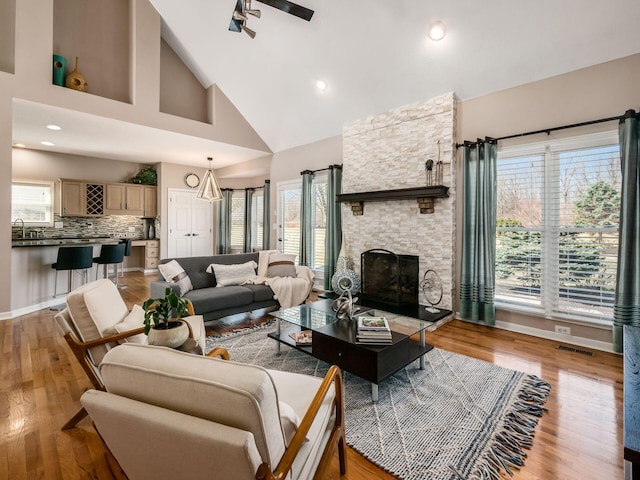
33	278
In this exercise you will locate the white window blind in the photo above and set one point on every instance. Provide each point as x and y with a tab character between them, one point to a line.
32	202
557	227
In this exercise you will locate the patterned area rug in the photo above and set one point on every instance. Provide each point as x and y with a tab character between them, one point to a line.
460	418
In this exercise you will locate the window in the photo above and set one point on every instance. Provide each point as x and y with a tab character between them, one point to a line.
32	202
289	195
257	220
237	221
558	207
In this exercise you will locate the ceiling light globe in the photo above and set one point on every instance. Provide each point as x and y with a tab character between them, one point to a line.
437	31
54	127
321	85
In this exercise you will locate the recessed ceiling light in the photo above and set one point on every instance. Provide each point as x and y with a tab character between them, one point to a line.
437	31
20	145
321	85
48	144
54	127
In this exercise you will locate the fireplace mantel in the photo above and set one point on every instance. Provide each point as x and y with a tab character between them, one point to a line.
424	195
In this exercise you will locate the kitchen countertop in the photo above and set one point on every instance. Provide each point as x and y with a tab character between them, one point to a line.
53	242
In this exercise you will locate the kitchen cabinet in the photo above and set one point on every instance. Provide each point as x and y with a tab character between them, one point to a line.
123	199
81	199
150	202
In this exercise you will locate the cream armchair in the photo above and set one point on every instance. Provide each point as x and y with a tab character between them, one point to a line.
96	319
168	414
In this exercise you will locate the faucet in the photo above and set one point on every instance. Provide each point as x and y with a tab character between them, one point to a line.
20	220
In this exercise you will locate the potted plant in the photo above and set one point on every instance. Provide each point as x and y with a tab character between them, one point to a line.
165	313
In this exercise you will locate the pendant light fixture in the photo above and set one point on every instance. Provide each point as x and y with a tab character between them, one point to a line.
209	188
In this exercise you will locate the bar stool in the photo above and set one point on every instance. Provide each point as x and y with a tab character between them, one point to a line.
127	252
72	258
110	255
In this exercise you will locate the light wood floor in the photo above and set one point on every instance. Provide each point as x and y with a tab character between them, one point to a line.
580	437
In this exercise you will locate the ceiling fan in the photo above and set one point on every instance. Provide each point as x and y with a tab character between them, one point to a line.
243	7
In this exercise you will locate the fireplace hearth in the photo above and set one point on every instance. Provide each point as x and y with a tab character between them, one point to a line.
388	278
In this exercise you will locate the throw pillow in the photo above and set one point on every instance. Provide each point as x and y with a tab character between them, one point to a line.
174	273
235	274
134	320
281	265
289	420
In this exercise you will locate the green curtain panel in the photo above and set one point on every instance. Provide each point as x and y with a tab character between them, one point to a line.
224	222
626	308
333	237
477	282
248	199
266	216
306	217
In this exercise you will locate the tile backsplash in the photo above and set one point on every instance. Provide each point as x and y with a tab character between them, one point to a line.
107	226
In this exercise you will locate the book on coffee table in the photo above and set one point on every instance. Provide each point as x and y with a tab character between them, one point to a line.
373	324
302	337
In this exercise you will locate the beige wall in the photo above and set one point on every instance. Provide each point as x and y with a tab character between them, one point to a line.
180	92
601	91
41	165
7	35
6	106
288	164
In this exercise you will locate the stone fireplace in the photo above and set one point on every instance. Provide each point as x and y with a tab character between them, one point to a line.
388	151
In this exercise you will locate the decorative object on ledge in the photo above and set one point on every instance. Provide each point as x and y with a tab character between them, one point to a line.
146	176
59	69
209	188
424	195
76	80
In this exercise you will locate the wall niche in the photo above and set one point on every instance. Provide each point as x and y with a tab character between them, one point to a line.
99	34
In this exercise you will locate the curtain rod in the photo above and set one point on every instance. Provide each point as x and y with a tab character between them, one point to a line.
242	189
330	167
627	114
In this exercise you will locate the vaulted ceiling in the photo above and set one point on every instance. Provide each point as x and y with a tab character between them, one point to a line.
375	55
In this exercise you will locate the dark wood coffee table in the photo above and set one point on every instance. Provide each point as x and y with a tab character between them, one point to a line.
334	340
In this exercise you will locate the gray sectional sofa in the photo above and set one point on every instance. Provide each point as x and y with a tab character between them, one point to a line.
216	302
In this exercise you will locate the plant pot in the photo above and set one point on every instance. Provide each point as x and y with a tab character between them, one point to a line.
172	337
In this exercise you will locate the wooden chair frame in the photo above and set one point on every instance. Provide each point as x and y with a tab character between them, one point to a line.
81	349
336	440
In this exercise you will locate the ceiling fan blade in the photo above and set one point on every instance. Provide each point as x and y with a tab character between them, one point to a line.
290	7
236	24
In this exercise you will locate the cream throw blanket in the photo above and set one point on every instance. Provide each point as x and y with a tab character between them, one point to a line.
288	291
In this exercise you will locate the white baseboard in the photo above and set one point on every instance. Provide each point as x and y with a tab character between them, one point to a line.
32	308
571	339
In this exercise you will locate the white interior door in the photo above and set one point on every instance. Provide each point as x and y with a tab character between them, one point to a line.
190	225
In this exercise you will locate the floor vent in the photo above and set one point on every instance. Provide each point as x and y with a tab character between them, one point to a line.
575	350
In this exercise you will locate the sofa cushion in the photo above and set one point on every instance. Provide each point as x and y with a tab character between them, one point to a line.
281	265
174	273
134	320
195	267
212	299
235	274
261	293
234	394
95	308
